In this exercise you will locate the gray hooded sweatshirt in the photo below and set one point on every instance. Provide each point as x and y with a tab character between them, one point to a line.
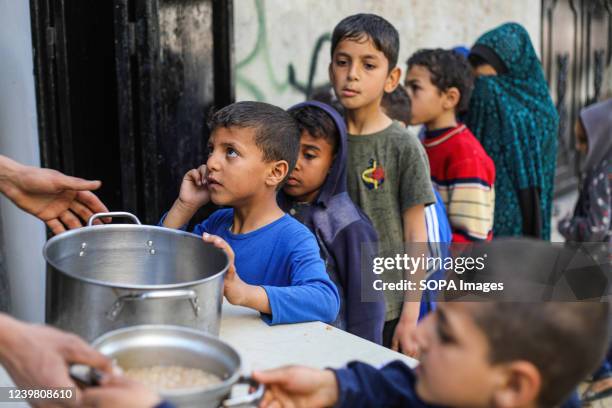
591	219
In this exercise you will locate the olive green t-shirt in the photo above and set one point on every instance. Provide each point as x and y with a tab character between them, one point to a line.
387	173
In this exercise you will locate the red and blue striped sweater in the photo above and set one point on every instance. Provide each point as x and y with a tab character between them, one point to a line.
464	175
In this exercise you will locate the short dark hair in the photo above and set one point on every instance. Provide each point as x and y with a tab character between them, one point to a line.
448	69
397	105
317	123
382	33
565	341
276	133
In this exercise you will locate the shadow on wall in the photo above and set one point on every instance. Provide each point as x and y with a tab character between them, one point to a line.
261	50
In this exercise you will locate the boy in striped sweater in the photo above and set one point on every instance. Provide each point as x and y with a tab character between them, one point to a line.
439	83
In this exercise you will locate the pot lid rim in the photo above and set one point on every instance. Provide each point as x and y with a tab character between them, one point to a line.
82	230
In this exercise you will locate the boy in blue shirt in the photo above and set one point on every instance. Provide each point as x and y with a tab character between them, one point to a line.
276	268
472	354
507	351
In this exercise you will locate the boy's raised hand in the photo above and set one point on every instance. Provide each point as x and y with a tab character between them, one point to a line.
194	188
193	195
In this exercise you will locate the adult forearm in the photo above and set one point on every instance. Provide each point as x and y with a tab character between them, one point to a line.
8	172
9	332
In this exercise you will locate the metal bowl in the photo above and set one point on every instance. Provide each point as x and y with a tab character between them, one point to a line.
153	345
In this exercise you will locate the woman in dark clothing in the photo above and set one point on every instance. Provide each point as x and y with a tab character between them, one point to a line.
513	116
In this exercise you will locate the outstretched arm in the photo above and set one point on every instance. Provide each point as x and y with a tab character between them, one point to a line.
299	387
38	356
61	201
358	385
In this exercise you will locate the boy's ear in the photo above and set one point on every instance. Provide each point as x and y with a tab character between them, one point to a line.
451	98
330	73
521	386
393	79
277	172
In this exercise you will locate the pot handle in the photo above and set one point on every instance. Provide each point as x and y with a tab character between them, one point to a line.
156	294
111	215
251	398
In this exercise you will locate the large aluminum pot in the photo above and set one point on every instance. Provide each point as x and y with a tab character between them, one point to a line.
162	345
104	277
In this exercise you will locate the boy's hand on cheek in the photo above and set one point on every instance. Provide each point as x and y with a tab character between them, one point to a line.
194	189
234	288
193	195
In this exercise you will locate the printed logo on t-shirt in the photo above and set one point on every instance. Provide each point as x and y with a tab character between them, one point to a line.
374	176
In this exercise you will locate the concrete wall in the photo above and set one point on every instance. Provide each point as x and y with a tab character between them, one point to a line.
270	35
23	236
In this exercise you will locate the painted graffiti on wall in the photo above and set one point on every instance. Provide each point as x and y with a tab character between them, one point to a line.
282	46
281	81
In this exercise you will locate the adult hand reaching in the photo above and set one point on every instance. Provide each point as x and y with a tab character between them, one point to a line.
59	200
39	356
117	391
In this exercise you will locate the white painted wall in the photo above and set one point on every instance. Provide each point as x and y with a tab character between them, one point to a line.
23	235
285	31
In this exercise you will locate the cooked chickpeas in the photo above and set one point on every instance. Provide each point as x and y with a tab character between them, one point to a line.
172	377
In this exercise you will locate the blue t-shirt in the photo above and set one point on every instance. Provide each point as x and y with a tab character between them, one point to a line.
283	258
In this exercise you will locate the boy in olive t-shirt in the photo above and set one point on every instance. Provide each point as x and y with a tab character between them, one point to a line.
388	171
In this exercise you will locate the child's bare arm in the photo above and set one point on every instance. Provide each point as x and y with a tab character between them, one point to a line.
255	297
414	224
193	195
415	232
298	386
